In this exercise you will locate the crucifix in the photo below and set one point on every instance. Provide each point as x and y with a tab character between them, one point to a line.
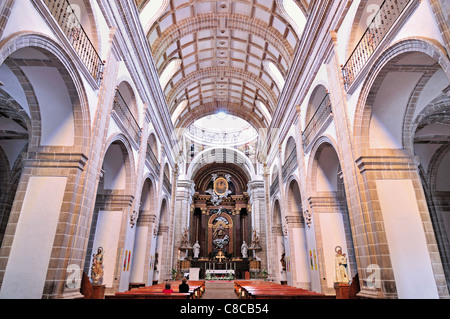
220	256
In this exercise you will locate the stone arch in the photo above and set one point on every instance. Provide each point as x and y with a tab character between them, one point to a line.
221	155
277	218
434	172
73	84
297	231
148	195
290	147
274	173
313	165
328	204
113	206
123	148
317	96
127	89
153	144
363	114
294	203
164	212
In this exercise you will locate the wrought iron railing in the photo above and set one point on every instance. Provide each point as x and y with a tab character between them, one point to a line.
152	160
384	19
126	116
317	120
274	187
290	163
67	19
167	183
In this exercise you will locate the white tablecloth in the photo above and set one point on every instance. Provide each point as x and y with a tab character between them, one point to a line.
220	272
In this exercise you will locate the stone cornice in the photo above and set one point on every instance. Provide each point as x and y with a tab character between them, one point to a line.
56	160
387	163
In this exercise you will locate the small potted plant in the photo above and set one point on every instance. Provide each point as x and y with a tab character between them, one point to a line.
174	273
264	274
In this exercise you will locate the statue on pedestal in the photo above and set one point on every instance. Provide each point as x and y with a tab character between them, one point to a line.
196	249
341	273
97	267
185	239
283	261
244	250
255	239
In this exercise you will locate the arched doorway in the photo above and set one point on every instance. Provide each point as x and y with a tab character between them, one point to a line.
111	215
42	111
145	237
329	208
301	267
399	144
279	257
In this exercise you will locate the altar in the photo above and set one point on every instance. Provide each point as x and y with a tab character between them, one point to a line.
220	226
219	275
209	269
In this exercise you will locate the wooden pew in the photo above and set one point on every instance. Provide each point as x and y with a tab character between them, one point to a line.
269	290
149	295
196	289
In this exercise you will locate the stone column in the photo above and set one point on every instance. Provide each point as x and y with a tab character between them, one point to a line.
202	229
183	200
37	231
259	216
140	270
400	222
300	270
358	211
170	258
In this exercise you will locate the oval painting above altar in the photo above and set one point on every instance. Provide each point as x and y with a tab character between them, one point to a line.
221	186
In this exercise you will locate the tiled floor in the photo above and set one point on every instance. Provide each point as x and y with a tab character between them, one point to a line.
219	290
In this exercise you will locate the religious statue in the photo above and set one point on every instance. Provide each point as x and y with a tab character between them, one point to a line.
341	273
255	239
219	229
156	261
133	218
97	267
244	250
196	249
185	238
283	260
220	243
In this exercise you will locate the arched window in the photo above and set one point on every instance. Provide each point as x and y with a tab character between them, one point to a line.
275	73
292	12
152	12
169	71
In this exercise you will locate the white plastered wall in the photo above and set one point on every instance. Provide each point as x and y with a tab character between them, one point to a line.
33	241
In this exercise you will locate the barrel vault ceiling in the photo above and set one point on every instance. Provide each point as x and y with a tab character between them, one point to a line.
218	55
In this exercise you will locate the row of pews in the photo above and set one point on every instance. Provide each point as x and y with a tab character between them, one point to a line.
196	290
270	290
